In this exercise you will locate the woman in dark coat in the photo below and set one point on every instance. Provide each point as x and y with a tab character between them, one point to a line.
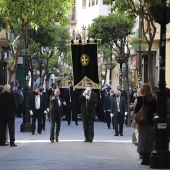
146	131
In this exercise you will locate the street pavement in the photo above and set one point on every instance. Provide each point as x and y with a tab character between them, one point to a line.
106	152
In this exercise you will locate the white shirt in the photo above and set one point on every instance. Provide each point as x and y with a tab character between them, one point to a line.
59	102
118	101
37	101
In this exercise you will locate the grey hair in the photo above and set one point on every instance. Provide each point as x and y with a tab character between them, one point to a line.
7	87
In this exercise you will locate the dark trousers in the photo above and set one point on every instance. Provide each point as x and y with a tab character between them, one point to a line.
19	110
55	121
88	126
43	121
37	115
108	118
71	114
11	127
118	123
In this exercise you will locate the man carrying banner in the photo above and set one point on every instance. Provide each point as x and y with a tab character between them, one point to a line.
88	101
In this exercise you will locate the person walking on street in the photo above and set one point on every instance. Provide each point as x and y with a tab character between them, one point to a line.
41	92
56	109
20	99
70	101
119	110
146	131
106	107
37	107
88	100
8	109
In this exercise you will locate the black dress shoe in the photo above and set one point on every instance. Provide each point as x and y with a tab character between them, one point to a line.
76	123
68	123
86	140
5	144
13	145
90	140
56	140
116	134
52	141
145	163
44	129
121	134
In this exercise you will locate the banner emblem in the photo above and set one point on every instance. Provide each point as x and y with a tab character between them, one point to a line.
84	59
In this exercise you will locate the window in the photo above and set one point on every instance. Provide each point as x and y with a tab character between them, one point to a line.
93	2
105	2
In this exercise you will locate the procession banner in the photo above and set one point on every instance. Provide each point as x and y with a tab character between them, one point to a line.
85	62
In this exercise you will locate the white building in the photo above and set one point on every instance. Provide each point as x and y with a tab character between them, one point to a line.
83	14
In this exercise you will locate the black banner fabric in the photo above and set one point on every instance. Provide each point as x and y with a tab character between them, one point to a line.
85	62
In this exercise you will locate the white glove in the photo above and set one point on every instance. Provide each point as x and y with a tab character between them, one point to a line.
64	103
87	97
111	114
31	113
125	113
45	112
48	109
85	92
104	111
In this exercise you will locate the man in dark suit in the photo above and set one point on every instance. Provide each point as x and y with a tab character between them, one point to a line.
88	100
119	110
37	107
8	108
41	92
106	107
20	99
70	100
56	111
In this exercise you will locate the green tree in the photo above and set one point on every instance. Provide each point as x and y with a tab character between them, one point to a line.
50	41
141	8
33	13
113	30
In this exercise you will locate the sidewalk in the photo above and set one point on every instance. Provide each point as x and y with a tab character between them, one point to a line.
107	152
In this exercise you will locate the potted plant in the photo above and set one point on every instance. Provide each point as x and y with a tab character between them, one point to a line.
157	8
135	41
3	22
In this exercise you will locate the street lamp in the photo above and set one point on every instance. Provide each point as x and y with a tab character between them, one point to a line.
160	156
120	60
41	61
26	125
140	55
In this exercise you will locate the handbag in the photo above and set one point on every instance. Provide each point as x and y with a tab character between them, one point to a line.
140	116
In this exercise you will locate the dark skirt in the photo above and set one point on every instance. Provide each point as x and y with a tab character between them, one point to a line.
146	138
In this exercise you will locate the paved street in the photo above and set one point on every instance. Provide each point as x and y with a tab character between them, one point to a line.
35	152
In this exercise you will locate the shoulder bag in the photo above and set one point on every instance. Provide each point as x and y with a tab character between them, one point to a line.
140	116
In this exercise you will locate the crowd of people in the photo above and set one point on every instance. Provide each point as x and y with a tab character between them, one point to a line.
56	103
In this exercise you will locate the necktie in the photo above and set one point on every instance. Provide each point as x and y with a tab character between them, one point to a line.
58	101
118	108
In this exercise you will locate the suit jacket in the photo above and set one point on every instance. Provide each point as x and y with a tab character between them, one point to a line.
107	102
88	106
122	106
55	109
70	97
19	97
8	105
32	103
